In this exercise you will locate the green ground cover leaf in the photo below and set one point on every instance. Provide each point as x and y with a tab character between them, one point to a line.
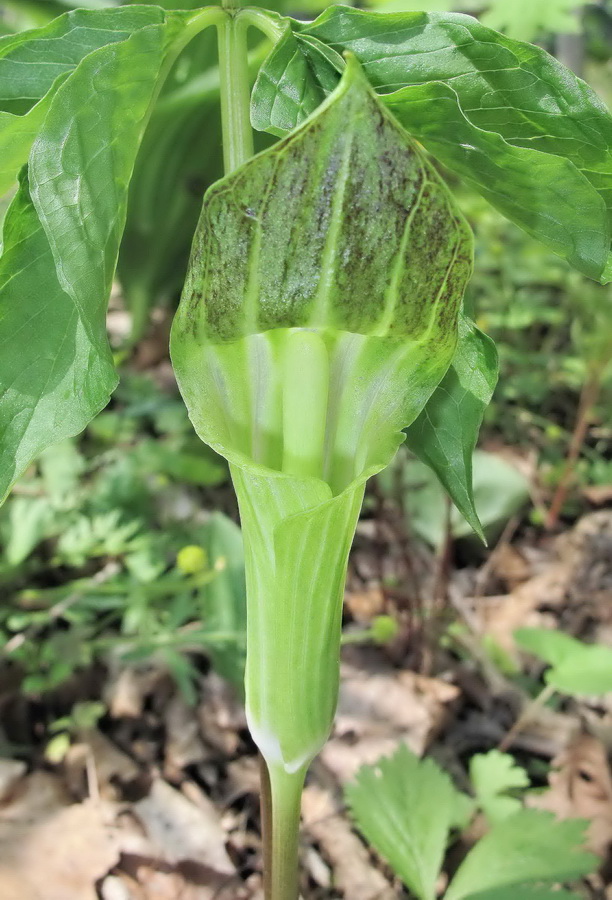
524	892
493	775
405	806
444	435
576	667
61	241
528	846
531	137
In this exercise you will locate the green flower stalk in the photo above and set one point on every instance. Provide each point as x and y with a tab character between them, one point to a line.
320	312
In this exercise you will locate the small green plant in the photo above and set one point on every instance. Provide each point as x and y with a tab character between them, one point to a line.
574	668
321	322
410	811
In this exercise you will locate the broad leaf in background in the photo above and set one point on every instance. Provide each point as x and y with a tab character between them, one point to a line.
499	492
225	598
525	20
62	234
31	60
405	807
530	136
524	892
576	667
528	846
493	775
444	435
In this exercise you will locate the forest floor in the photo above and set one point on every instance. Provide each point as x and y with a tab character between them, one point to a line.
158	800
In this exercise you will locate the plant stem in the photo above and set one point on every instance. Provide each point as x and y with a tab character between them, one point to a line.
263	21
235	90
528	713
281	794
588	398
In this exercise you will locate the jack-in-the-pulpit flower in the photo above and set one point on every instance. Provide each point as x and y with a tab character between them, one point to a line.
320	312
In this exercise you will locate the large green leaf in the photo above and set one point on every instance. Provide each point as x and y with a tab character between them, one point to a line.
444	435
528	846
61	242
33	65
405	808
531	137
526	20
32	60
17	134
524	892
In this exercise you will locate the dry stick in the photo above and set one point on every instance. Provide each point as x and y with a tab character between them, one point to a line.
588	398
528	713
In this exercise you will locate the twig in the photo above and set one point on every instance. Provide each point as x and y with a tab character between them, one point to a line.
588	398
528	713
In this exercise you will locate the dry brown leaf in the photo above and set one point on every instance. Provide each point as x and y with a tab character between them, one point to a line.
598	494
366	604
179	830
11	773
511	566
55	850
184	746
581	787
98	758
354	873
221	716
150	883
501	616
379	709
127	688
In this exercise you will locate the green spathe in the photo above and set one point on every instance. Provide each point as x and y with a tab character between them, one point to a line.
319	314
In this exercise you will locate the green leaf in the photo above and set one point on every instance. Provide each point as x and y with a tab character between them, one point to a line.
31	61
290	330
493	774
550	645
529	135
524	892
444	435
293	81
404	806
61	240
525	20
17	134
38	400
528	846
576	668
499	492
225	597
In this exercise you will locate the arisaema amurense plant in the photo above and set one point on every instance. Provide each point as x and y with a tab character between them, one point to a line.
321	321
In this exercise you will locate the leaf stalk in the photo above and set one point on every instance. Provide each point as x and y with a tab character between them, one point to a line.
281	798
235	91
